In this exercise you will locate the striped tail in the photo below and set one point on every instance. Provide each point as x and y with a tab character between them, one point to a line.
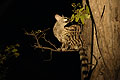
84	64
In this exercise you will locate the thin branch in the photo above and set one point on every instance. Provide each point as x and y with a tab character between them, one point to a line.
46	30
35	35
49	41
40	36
41	47
37	40
44	48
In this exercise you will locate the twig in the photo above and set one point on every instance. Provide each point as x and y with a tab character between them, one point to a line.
56	50
46	30
49	42
40	36
37	40
44	48
35	35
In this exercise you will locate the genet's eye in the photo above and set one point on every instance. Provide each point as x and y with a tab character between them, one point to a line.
65	20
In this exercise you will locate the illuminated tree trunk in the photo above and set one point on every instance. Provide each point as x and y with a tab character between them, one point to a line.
106	14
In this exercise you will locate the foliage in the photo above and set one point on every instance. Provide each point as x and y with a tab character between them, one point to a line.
80	13
5	55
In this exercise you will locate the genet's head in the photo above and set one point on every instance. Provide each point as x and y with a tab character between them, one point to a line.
61	19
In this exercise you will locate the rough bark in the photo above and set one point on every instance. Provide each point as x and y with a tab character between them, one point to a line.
106	14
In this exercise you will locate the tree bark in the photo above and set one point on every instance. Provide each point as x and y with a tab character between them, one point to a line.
106	14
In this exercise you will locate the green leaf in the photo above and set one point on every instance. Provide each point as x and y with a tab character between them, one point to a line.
1	61
81	9
4	58
82	19
87	10
12	46
79	5
87	16
72	18
8	49
76	11
16	54
14	50
73	5
36	32
79	14
17	45
76	18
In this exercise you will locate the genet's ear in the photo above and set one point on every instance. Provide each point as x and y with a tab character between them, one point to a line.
62	15
57	17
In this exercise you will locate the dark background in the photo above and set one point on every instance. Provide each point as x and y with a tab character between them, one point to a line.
19	15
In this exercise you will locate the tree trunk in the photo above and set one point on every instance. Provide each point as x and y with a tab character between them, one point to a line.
106	14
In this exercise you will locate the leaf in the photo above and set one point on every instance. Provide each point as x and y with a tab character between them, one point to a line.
72	18
87	16
87	10
8	49
16	54
4	58
14	50
81	9
73	5
1	62
26	33
73	11
76	18
36	32
17	45
12	46
79	5
82	19
76	11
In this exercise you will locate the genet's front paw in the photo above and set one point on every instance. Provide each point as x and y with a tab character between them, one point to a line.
63	49
59	49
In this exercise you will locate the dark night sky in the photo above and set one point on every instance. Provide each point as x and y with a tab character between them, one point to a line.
17	15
